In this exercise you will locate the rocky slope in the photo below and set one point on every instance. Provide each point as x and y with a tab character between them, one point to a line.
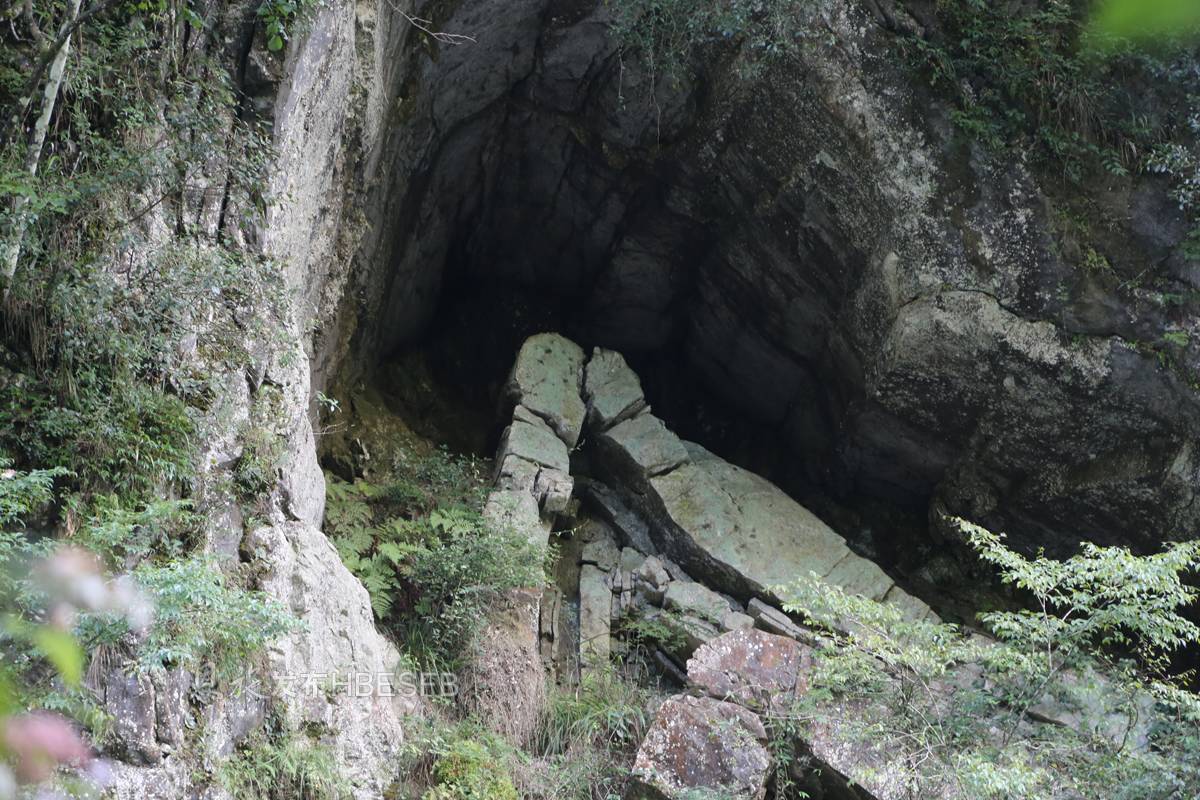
809	239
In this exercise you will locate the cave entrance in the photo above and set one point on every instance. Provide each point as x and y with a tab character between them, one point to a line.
446	387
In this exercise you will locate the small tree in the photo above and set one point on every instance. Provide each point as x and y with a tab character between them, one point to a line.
1071	698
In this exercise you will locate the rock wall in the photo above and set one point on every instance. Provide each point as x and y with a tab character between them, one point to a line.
817	244
327	104
814	241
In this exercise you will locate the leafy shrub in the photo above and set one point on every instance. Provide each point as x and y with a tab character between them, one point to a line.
24	642
422	548
283	767
470	770
113	435
974	736
22	493
665	33
646	633
373	544
458	577
1040	77
280	18
107	330
121	535
199	619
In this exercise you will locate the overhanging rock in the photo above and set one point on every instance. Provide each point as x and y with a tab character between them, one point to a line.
734	530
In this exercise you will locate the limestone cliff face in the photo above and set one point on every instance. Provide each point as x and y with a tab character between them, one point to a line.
324	104
811	233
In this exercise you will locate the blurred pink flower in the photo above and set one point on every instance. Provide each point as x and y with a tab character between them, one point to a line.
40	742
76	579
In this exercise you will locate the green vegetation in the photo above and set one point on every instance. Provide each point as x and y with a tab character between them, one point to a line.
430	561
31	650
585	745
469	769
129	180
201	619
583	748
666	33
280	19
607	709
643	634
257	469
1034	78
283	766
1132	731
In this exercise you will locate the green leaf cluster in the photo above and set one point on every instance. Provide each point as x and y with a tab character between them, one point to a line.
1091	655
469	769
283	765
201	618
429	560
279	18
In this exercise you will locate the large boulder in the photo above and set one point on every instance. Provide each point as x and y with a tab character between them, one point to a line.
768	673
339	642
729	527
612	390
752	668
547	379
698	745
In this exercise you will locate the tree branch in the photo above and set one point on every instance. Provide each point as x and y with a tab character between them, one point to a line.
426	27
38	37
35	77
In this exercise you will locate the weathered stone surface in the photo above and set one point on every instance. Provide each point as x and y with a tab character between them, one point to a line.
738	531
303	572
547	379
736	621
697	743
631	559
612	390
171	706
608	505
752	668
595	609
696	599
857	575
773	620
533	441
643	446
688	631
652	579
504	681
129	699
514	472
517	510
169	780
553	489
230	719
602	552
